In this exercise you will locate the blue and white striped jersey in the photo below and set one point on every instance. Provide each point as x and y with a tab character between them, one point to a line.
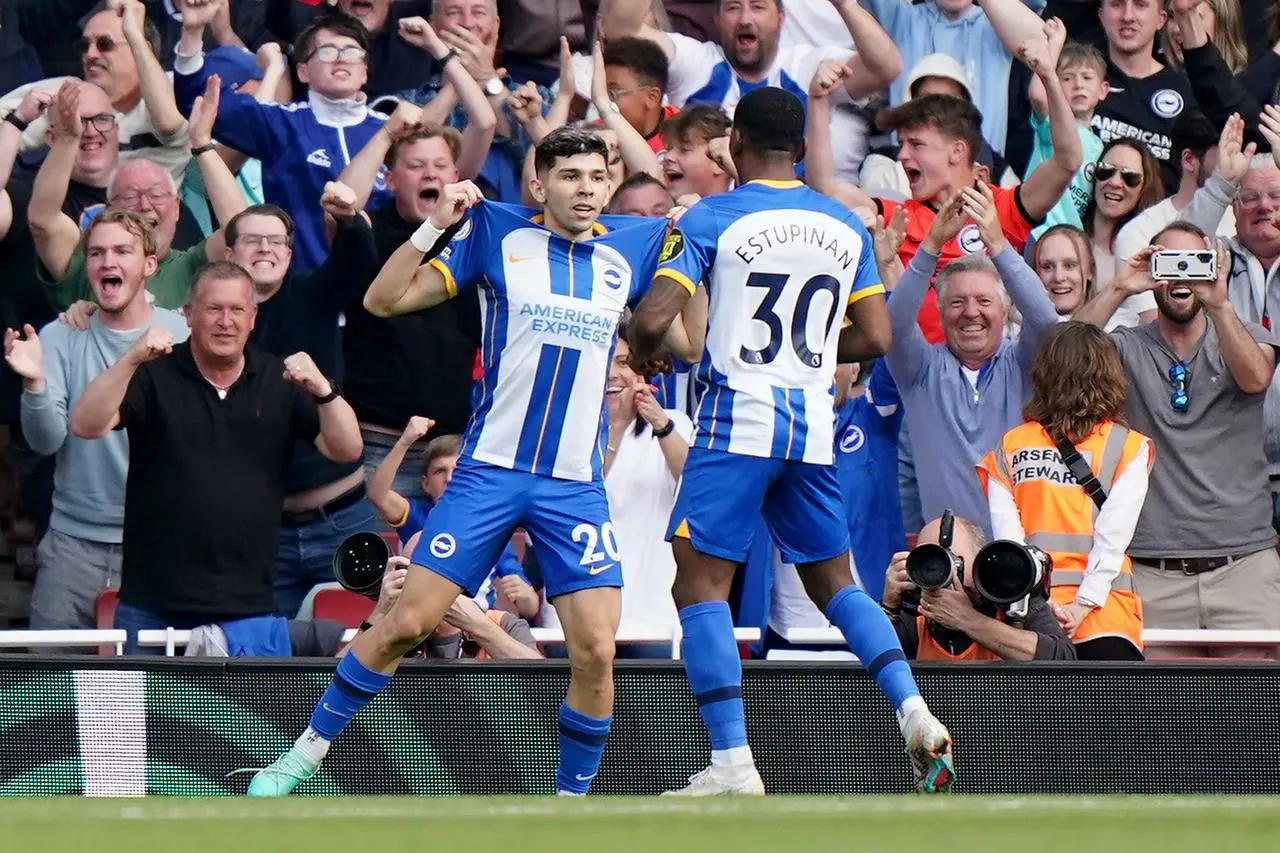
781	263
549	313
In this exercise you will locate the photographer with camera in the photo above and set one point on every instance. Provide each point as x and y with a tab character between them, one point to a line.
1071	481
954	621
1204	550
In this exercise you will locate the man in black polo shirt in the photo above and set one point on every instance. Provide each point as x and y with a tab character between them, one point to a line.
298	312
211	431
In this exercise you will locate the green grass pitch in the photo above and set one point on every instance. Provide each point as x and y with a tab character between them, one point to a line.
950	824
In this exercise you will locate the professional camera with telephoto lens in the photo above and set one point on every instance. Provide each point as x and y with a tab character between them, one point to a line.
1184	265
1006	574
360	562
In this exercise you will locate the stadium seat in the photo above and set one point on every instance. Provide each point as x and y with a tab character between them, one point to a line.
104	615
341	606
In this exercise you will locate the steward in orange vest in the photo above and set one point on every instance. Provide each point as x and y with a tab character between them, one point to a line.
1057	515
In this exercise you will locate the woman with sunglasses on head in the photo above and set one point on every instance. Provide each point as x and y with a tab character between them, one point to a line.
1126	181
1063	259
1071	481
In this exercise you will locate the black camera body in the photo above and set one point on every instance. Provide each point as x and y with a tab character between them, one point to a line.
360	562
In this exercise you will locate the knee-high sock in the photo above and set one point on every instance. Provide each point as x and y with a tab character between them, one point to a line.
582	741
871	637
715	675
352	687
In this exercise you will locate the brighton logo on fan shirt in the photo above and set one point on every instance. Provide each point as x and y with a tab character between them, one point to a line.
970	240
1167	103
852	440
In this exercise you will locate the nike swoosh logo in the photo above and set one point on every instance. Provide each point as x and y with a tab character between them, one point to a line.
582	778
598	569
325	705
513	259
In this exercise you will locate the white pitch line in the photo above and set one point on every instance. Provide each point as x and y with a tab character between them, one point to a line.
306	809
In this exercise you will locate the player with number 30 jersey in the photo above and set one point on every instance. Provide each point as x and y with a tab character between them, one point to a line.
792	287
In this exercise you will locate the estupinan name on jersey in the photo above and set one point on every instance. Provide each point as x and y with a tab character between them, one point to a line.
776	236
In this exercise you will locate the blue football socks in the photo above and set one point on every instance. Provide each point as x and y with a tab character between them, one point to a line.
352	687
871	637
582	741
714	670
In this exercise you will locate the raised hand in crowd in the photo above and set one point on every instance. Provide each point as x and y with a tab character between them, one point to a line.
519	593
1233	154
647	406
1213	294
23	354
64	118
419	33
405	121
718	153
886	240
35	102
979	204
339	201
302	371
946	225
455	200
204	112
1135	276
198	14
829	77
525	104
416	429
269	55
153	343
132	14
78	314
476	56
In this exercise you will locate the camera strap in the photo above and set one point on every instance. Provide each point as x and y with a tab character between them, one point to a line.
1081	471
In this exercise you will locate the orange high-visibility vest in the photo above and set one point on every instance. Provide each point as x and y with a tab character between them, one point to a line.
1058	515
495	616
929	649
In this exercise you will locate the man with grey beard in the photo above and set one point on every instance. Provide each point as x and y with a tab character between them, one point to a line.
1204	550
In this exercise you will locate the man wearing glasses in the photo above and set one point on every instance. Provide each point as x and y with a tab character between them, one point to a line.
141	186
1204	551
303	145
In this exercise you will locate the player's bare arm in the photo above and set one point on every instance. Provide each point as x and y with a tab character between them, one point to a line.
687	336
868	333
654	315
406	284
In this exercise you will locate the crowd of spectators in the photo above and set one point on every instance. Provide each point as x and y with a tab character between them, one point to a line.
198	408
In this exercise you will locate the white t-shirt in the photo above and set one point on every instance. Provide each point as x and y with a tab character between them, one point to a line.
699	73
814	22
642	493
1128	312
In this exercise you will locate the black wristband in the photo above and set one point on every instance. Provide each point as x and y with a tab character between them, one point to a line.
17	122
202	149
448	57
330	397
666	430
366	625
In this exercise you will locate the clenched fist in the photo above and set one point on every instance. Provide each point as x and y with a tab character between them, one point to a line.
339	200
302	371
455	200
153	343
416	429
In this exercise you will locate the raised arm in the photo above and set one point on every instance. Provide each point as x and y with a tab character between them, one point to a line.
1014	24
225	195
339	439
819	161
361	173
98	410
405	283
44	392
35	102
637	156
157	91
1044	187
1251	363
390	504
623	18
481	118
1132	278
55	234
876	62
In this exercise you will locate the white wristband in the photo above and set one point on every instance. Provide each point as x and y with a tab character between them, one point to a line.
425	237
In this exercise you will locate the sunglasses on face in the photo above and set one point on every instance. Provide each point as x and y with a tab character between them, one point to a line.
104	44
1132	177
1178	400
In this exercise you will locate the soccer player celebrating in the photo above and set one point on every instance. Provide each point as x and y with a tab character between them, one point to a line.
552	288
766	424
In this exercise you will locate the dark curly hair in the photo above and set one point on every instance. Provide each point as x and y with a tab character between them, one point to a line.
1077	382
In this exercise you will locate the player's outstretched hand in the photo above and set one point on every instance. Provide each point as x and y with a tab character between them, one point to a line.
455	200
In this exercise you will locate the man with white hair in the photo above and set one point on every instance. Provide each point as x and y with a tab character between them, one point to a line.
140	185
1250	188
962	395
